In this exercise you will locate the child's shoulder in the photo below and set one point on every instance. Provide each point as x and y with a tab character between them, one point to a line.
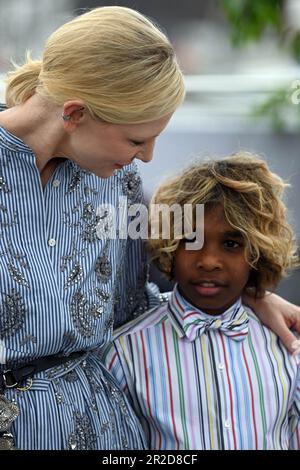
256	325
147	320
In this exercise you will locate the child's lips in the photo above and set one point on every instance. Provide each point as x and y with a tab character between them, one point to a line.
209	288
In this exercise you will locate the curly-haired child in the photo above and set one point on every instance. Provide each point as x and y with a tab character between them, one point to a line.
201	371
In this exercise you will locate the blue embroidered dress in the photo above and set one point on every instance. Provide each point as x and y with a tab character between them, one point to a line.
62	286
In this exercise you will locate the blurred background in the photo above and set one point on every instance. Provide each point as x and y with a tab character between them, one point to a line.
241	60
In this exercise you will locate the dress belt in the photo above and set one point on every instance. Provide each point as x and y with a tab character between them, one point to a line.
11	378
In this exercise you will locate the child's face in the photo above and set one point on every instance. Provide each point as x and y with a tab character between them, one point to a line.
214	277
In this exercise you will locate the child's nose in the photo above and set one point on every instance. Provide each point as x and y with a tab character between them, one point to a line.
208	260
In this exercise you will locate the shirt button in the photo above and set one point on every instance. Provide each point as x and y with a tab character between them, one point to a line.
221	366
56	183
51	242
227	424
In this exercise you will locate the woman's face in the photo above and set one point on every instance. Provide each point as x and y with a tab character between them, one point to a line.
102	147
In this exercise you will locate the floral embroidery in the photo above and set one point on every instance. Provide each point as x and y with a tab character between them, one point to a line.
131	183
59	397
104	296
108	325
75	276
88	212
95	387
12	314
75	180
96	226
117	396
79	312
73	256
71	376
89	233
17	275
3	185
83	437
19	257
96	310
83	314
103	268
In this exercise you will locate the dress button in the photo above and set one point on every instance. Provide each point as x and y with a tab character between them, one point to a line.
221	366
56	183
51	242
227	424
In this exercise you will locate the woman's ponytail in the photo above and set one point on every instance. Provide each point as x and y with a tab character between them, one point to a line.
22	82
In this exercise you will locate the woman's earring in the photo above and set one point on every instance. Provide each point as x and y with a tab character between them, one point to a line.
66	117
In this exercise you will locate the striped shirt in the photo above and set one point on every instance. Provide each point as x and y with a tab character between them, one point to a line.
62	286
212	392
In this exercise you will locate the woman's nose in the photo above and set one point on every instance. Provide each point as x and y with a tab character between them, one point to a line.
146	154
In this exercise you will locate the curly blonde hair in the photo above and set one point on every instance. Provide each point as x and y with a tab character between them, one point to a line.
113	58
251	196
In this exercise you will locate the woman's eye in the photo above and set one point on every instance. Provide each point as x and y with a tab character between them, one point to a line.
136	142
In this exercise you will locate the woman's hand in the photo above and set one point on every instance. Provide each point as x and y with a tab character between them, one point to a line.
280	316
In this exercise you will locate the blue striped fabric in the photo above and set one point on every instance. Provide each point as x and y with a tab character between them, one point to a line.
61	289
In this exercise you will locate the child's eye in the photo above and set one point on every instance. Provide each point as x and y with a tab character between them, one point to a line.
232	244
136	142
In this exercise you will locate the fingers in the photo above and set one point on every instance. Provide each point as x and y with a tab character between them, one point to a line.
295	347
291	342
296	323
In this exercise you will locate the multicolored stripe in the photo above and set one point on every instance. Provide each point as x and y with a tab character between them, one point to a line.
210	393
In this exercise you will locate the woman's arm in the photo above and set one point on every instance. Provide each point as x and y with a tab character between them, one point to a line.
280	316
130	288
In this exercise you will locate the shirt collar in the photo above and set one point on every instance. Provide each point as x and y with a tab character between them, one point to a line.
182	314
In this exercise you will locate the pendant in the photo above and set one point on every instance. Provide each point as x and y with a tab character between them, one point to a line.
8	413
6	441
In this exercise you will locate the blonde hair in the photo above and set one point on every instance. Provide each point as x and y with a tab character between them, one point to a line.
114	59
251	196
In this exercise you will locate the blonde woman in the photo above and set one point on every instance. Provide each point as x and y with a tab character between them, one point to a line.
73	124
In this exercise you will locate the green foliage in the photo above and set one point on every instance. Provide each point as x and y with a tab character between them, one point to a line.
294	45
274	108
250	18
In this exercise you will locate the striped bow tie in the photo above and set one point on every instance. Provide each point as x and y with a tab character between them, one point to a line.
234	324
